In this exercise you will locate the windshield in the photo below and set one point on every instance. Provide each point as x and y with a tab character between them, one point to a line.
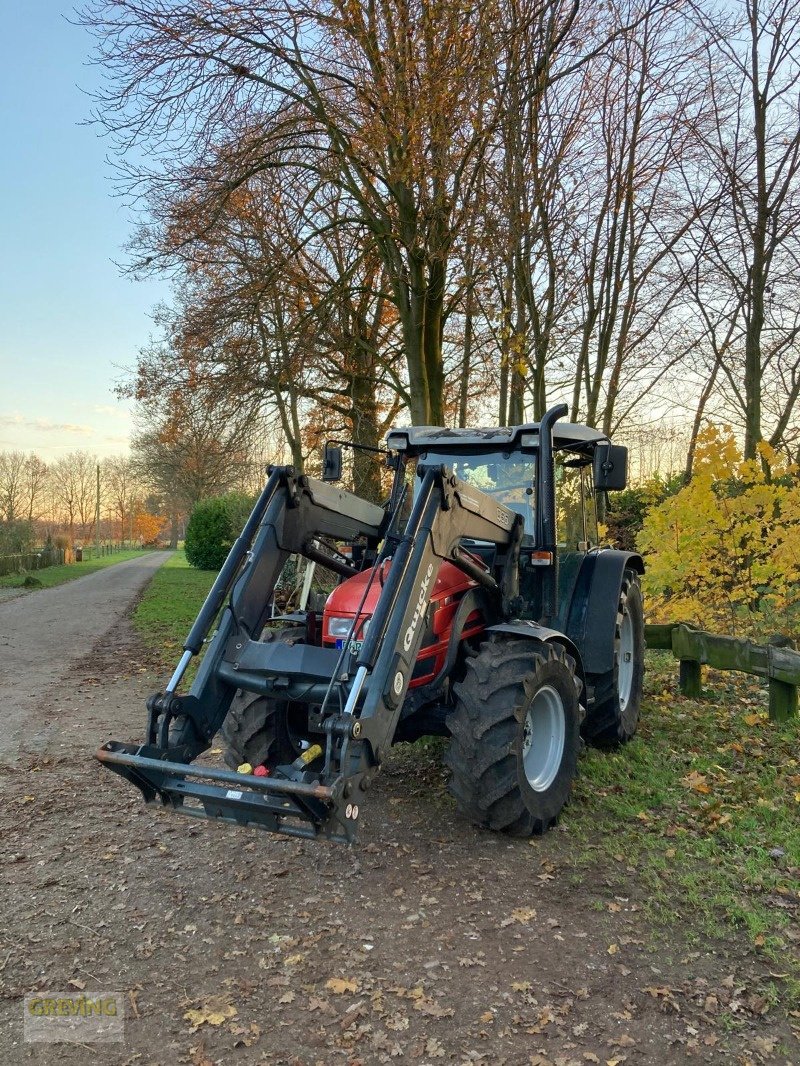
507	477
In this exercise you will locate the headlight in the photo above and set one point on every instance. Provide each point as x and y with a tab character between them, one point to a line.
339	627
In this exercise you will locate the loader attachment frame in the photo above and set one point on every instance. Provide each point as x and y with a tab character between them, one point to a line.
360	701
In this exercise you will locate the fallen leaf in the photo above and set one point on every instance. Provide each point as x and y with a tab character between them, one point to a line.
696	782
765	1044
340	985
622	1041
214	1011
521	915
199	1057
432	1008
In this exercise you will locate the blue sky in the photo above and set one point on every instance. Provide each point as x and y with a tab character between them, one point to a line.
68	320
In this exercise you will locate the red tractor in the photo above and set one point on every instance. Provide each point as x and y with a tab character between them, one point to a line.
476	605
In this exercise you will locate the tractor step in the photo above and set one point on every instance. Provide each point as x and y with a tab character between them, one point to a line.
279	805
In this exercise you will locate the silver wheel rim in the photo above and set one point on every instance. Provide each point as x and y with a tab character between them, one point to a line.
625	662
543	738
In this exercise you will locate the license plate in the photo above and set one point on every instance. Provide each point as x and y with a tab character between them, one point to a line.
354	645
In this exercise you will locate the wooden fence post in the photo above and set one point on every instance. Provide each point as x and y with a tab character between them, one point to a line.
782	700
782	693
690	678
687	648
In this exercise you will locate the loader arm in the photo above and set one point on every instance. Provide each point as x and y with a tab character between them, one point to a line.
360	703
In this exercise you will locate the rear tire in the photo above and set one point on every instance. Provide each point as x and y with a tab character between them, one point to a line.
256	729
515	735
614	717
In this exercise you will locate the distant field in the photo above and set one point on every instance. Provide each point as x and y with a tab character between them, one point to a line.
57	575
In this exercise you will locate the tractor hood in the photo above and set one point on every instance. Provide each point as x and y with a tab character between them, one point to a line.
345	598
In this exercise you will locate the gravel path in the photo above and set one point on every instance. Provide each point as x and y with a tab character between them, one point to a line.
44	634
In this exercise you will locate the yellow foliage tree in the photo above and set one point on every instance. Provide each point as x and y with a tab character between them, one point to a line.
724	552
147	527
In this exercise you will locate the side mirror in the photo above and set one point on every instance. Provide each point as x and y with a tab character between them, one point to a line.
332	465
610	467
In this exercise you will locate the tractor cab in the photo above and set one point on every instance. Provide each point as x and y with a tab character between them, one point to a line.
506	465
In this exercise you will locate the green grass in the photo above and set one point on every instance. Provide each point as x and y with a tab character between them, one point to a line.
689	812
169	606
57	575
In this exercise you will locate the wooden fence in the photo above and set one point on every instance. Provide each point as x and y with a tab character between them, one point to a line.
695	648
27	561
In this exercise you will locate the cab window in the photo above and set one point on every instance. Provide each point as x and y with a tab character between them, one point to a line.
576	512
508	477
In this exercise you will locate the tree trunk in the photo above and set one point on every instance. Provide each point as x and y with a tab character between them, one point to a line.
463	394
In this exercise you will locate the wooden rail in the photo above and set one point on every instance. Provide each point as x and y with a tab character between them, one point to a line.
695	648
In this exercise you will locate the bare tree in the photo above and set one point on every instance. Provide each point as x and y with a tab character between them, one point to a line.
188	449
749	246
34	485
121	489
66	490
12	485
647	104
398	100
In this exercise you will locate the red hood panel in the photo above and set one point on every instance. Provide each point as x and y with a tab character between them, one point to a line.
344	599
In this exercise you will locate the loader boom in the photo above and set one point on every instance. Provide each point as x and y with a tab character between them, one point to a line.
357	699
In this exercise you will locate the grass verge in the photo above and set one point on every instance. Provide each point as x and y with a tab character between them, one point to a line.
169	606
57	575
700	814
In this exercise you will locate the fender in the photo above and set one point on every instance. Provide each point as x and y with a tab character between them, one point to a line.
533	631
592	615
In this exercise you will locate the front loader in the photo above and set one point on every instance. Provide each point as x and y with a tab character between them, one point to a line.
472	618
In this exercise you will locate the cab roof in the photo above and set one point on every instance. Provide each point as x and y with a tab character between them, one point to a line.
416	439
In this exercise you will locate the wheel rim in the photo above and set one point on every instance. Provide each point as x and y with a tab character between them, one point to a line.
625	662
543	738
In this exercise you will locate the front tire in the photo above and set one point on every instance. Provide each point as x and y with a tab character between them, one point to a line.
258	730
515	732
618	694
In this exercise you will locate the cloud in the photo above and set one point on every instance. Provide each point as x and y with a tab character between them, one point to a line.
45	425
111	409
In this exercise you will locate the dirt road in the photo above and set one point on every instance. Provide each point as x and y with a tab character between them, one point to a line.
44	634
430	942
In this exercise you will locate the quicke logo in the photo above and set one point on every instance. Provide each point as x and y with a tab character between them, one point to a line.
419	610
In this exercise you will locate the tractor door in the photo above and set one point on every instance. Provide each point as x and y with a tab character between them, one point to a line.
576	522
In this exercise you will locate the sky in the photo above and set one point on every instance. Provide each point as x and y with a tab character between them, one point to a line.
69	321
